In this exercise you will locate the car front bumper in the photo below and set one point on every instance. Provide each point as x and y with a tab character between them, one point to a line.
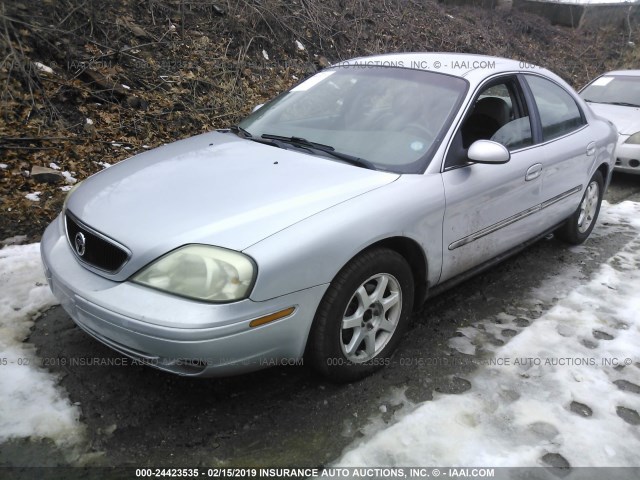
627	156
172	333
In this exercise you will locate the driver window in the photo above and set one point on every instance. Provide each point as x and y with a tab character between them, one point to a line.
497	114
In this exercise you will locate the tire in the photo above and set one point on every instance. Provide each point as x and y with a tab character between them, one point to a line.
579	225
362	316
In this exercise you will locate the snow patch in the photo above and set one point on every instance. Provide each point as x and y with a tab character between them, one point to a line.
15	240
31	403
33	196
517	412
42	67
464	344
68	177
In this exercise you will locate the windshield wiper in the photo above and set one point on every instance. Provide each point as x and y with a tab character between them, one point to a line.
620	104
328	149
238	129
623	104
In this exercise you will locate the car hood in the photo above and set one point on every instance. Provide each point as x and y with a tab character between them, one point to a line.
626	119
215	189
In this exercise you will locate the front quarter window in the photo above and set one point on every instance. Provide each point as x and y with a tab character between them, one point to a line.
391	117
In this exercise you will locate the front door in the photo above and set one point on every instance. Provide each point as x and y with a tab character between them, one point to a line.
491	208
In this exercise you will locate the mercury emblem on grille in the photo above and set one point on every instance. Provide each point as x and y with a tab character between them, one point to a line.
81	243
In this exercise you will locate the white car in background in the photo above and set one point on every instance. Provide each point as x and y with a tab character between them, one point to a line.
616	97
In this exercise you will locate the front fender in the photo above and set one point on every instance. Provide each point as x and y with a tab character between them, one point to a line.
311	252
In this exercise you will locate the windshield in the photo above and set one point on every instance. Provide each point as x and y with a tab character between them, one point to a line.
392	118
617	90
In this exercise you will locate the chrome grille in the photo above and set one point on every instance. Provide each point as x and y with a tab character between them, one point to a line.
99	251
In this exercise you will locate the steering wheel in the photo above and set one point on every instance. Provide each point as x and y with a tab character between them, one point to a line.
419	130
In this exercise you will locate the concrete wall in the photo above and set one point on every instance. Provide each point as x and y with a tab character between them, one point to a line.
616	15
569	15
566	14
580	15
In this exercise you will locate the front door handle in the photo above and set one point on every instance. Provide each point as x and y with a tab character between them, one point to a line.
533	172
591	149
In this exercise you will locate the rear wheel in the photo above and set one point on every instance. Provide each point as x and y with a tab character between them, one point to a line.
579	225
362	316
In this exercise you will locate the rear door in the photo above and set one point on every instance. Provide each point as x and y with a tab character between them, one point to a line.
566	147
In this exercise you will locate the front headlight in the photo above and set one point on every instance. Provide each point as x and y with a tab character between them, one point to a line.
201	272
634	139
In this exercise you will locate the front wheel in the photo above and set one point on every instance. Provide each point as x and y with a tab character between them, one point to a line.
362	316
579	225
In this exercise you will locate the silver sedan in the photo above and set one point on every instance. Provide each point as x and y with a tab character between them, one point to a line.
616	97
312	229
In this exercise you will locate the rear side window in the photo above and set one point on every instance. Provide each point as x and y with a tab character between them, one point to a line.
559	113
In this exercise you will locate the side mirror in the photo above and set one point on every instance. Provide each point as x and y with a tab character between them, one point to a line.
486	151
257	107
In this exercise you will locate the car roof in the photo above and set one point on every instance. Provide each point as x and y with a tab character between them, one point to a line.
629	73
471	66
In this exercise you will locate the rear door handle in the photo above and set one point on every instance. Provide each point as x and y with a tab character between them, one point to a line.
533	172
591	149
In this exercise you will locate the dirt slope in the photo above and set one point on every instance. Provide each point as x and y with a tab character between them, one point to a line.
127	75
